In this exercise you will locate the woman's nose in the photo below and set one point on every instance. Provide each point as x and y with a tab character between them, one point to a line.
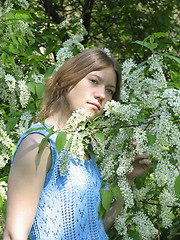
100	92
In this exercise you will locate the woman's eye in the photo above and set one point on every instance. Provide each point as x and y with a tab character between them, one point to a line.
110	91
93	81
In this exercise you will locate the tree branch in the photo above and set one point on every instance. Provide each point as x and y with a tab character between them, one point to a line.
47	4
159	205
86	16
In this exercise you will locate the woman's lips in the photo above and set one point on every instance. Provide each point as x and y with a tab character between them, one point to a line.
95	106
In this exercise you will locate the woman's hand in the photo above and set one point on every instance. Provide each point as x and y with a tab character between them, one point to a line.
141	164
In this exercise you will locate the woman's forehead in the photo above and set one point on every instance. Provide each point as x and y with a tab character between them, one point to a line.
106	74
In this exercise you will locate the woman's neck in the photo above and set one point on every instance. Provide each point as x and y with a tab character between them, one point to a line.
58	120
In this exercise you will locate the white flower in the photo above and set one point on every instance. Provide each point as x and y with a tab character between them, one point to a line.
64	160
152	210
155	62
23	125
62	55
124	160
121	111
3	190
38	78
79	116
141	139
107	51
77	147
11	82
145	227
120	223
23	3
166	199
64	23
172	97
165	173
140	194
4	137
24	93
127	66
126	192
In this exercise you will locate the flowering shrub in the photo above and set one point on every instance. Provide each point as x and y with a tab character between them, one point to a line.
148	113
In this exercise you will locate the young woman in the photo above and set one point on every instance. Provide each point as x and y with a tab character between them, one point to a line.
43	204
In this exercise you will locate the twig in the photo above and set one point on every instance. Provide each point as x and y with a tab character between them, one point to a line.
158	204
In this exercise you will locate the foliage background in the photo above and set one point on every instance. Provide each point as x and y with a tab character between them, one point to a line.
31	34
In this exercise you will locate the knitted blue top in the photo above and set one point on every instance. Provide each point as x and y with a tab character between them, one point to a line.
68	206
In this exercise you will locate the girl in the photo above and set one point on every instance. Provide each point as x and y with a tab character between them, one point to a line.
43	204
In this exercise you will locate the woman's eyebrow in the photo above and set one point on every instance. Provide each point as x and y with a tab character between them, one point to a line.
100	78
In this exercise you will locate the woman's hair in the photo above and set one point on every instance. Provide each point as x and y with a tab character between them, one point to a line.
70	73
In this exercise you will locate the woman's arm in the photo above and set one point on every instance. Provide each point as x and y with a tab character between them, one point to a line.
140	165
25	183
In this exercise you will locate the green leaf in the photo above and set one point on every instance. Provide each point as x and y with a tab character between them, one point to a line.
49	72
134	235
4	179
100	135
43	141
151	139
1	202
39	89
23	16
11	60
159	34
166	148
101	210
150	46
11	123
90	151
106	200
69	142
34	129
32	87
14	39
116	130
116	191
177	186
60	141
101	190
4	57
171	57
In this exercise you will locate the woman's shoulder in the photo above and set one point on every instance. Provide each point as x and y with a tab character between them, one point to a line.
35	134
34	139
29	151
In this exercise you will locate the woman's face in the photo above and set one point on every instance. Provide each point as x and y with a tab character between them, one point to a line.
92	92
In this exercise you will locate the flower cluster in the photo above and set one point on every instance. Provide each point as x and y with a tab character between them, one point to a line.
140	137
75	125
24	121
144	226
167	200
6	145
74	41
121	112
11	82
7	7
77	117
24	93
121	223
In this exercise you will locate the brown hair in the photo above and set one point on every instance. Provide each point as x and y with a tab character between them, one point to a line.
70	73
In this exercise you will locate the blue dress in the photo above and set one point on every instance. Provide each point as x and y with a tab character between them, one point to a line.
68	206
